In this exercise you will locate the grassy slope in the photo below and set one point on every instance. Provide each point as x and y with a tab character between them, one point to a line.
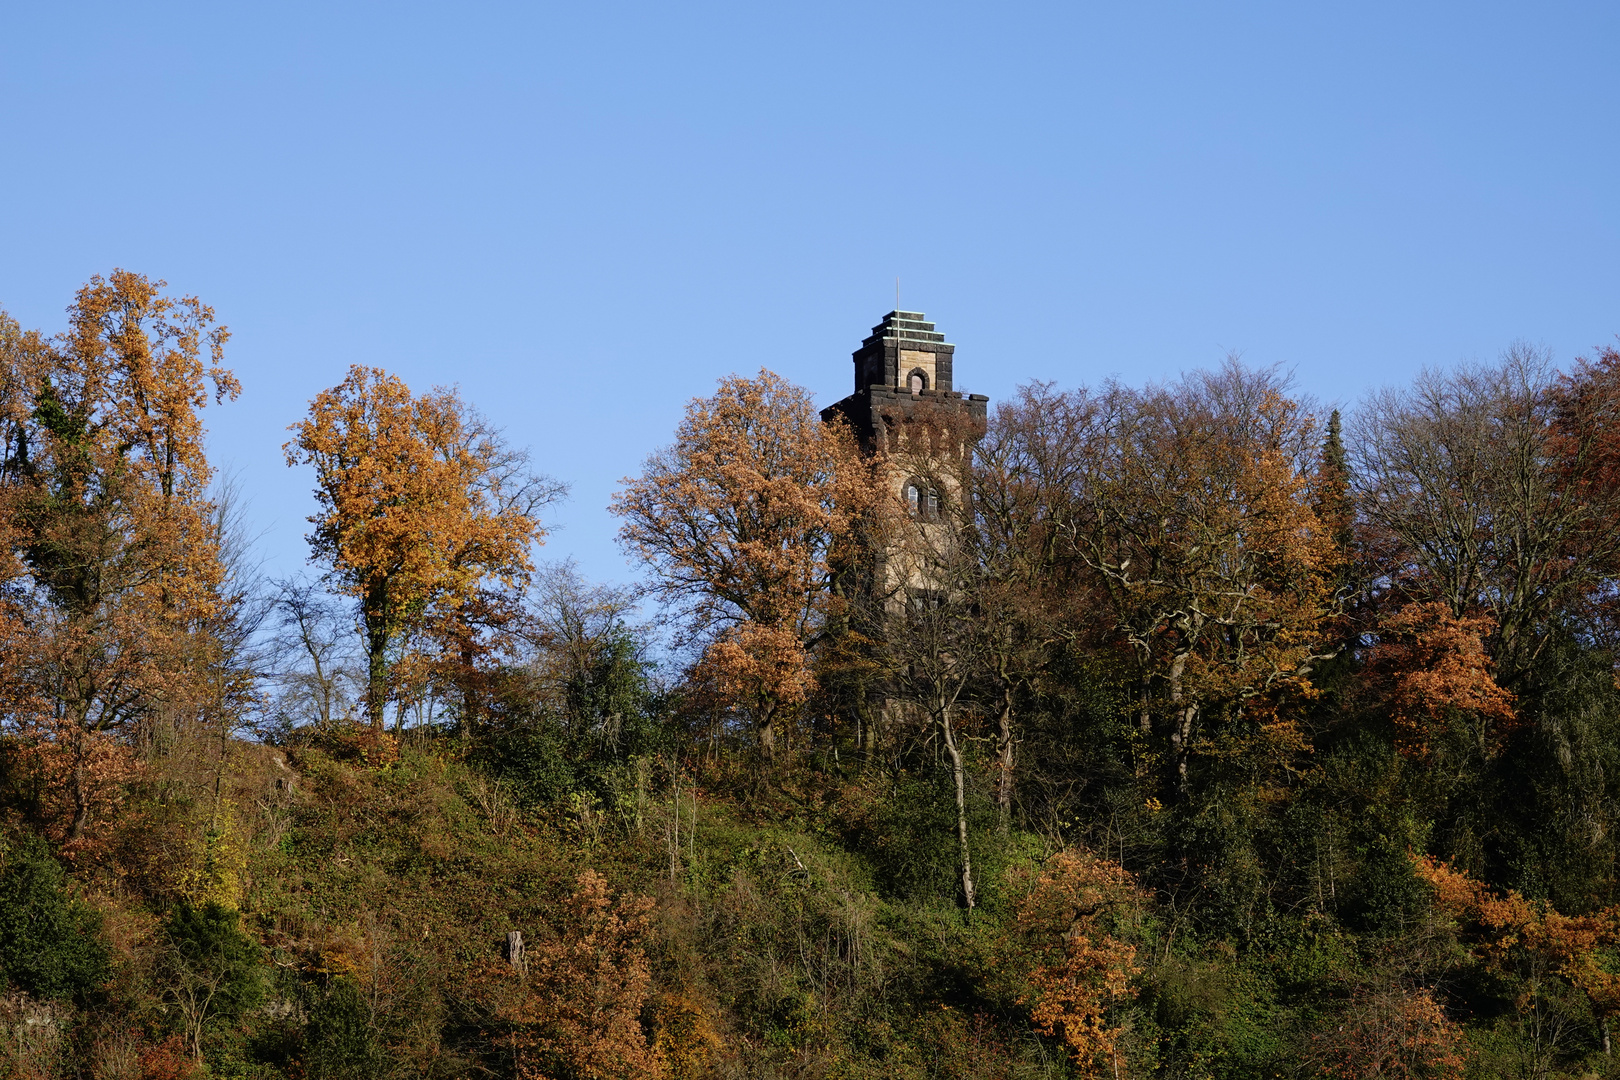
774	943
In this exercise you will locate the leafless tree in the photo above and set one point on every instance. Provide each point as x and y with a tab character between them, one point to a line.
571	628
248	601
1016	522
315	666
931	641
1464	475
921	603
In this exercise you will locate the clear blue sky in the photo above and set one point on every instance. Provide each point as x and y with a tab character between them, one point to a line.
584	214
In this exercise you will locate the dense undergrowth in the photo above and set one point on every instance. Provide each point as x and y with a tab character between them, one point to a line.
310	910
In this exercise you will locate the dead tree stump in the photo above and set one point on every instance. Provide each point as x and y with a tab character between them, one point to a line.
514	952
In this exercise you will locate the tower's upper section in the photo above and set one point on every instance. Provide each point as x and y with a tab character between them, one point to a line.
904	352
903	380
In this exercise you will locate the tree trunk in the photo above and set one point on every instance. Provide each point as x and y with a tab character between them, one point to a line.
1181	744
471	711
376	673
81	795
948	729
515	954
1181	731
767	735
1004	761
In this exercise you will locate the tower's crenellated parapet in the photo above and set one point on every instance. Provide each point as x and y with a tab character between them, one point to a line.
904	373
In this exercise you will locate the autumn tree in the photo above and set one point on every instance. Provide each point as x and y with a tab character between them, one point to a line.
425	514
1514	935
1430	665
1585	463
740	520
24	361
471	636
109	510
1391	1033
1195	520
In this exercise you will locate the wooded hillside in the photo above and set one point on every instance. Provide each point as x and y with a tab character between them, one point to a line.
1174	731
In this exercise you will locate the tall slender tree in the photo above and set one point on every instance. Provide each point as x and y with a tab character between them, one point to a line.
1016	518
423	511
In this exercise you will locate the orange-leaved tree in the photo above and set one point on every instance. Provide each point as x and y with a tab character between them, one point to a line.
424	512
1391	1033
466	637
107	506
1432	666
1079	969
1507	930
740	519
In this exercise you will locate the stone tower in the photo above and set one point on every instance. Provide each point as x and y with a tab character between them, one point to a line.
907	414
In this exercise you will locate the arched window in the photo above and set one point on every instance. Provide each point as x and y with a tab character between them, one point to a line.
917	381
922	500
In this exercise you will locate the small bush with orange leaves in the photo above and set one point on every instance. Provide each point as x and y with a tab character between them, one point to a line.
170	1059
1392	1033
686	1041
1079	973
577	1011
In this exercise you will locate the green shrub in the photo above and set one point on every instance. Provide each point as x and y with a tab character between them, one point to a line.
209	952
49	942
533	762
338	1037
1389	897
